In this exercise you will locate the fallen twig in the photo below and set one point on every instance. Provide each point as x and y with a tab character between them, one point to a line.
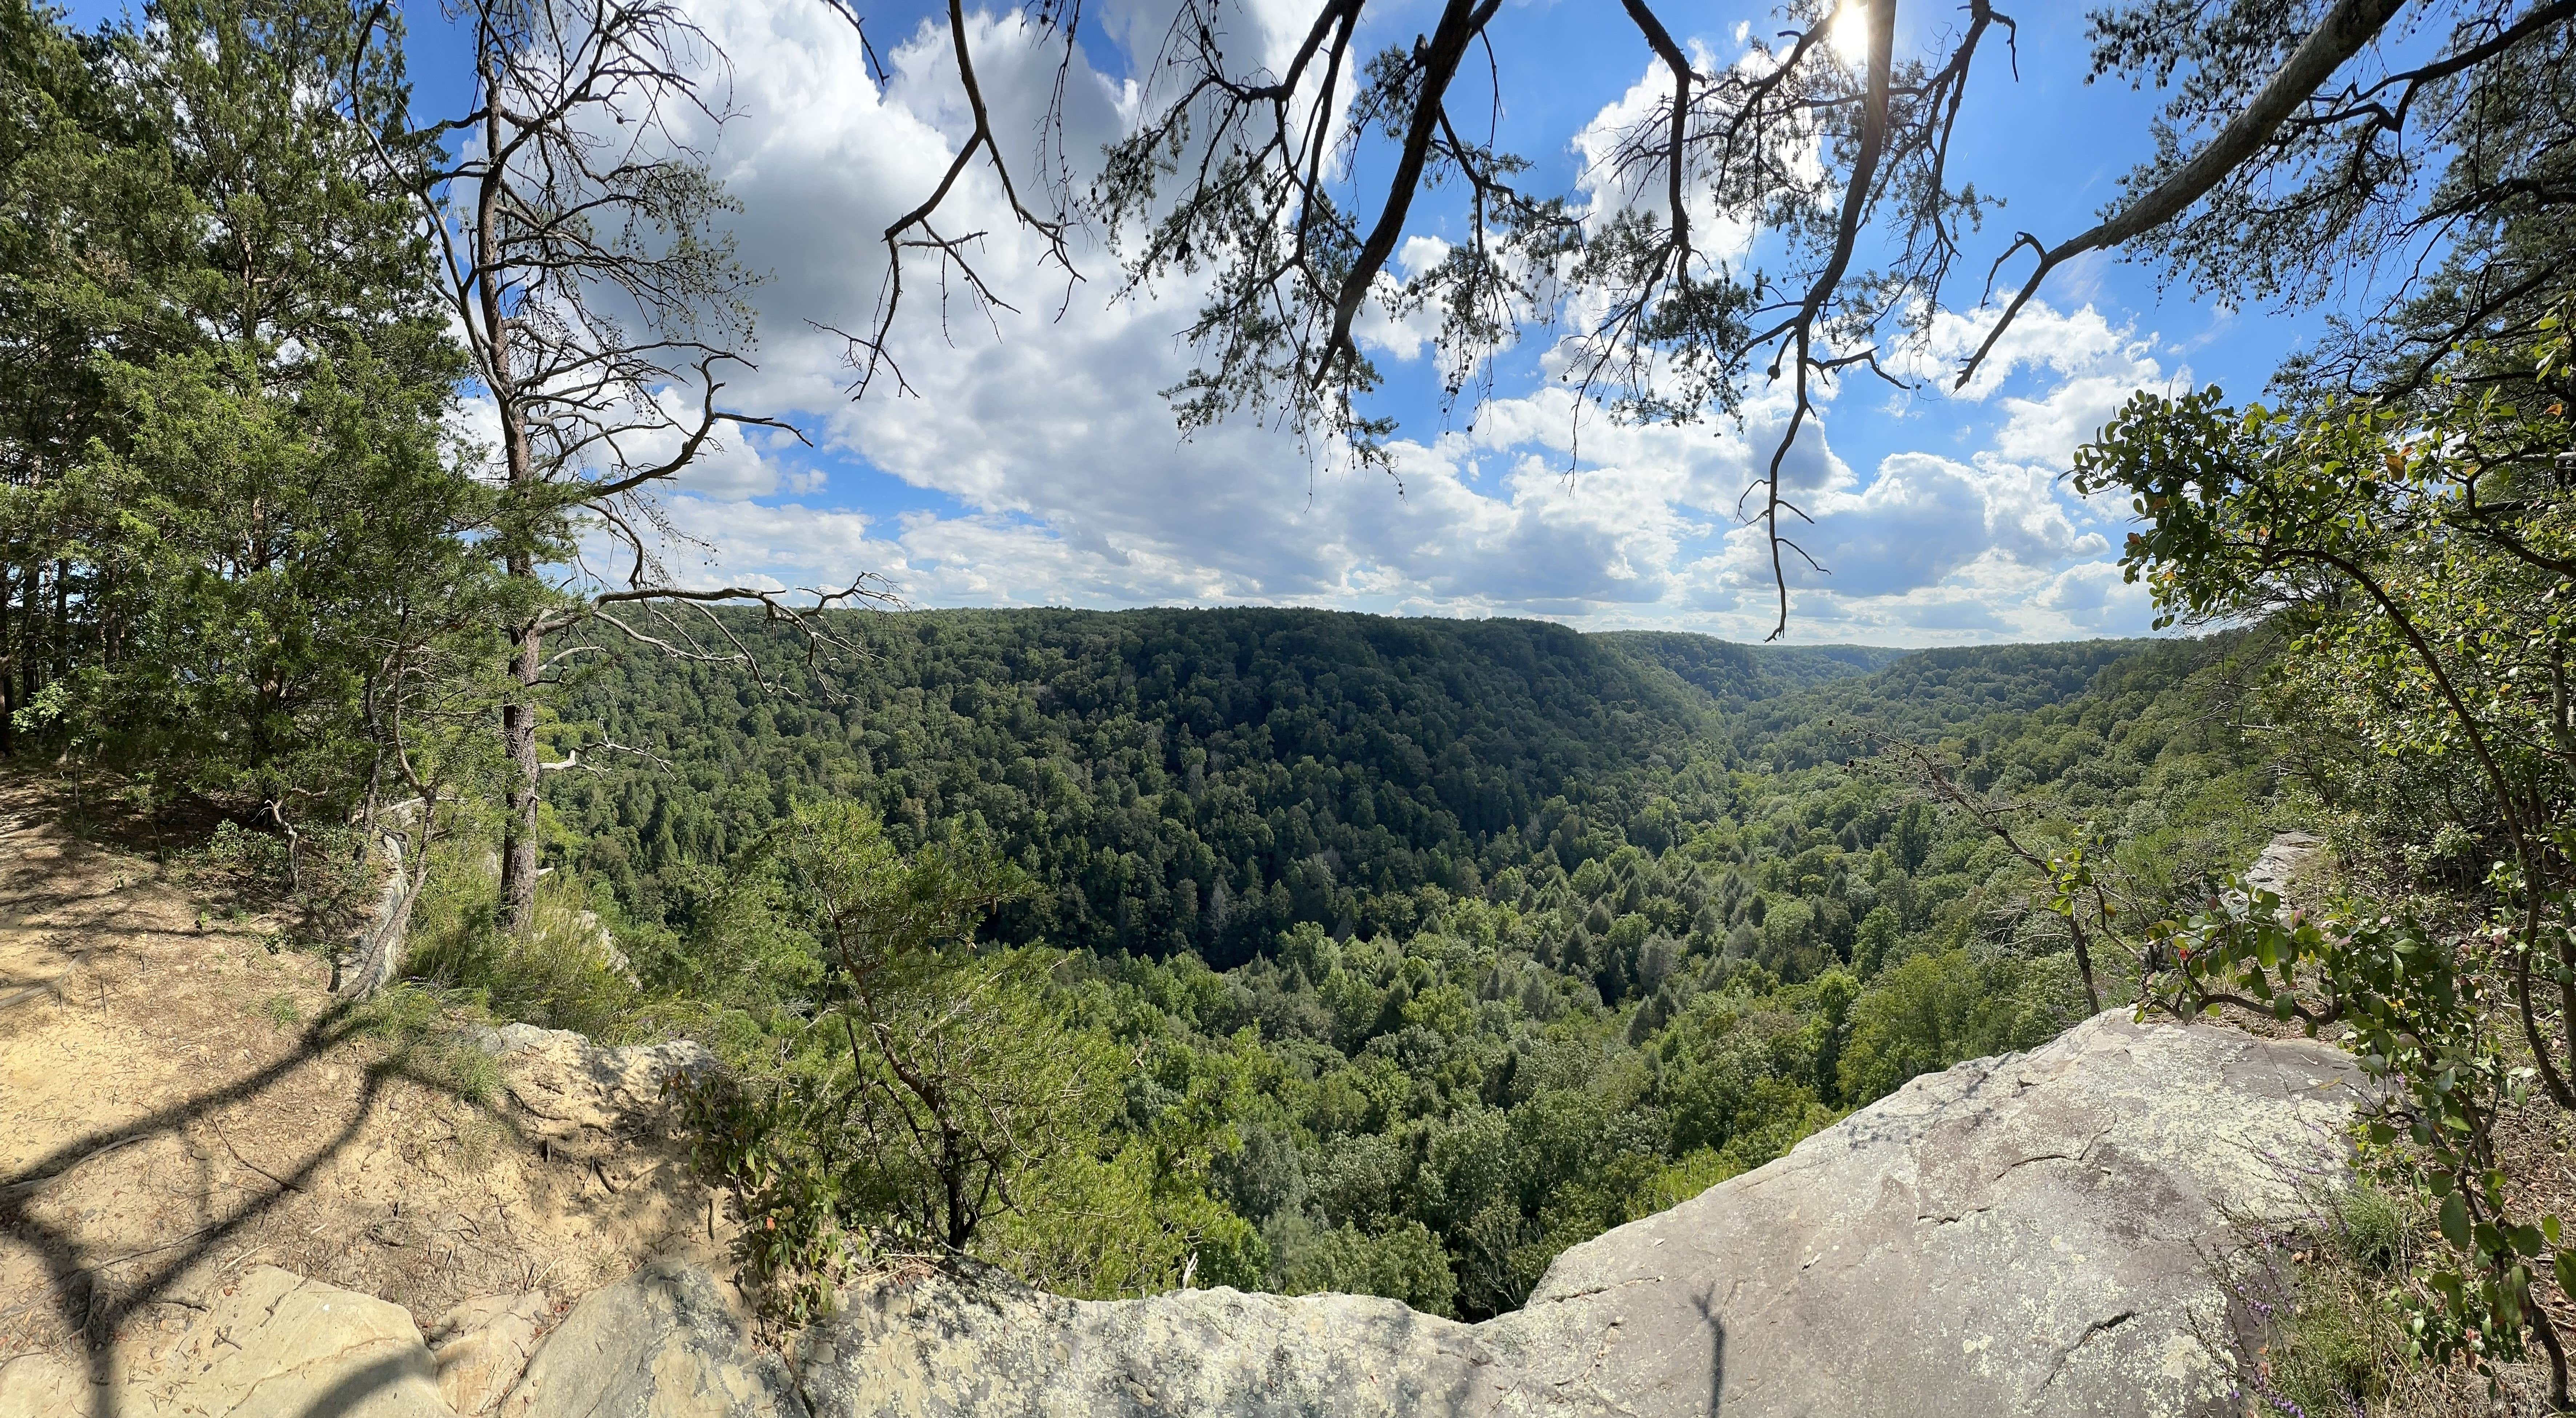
20	1190
282	1183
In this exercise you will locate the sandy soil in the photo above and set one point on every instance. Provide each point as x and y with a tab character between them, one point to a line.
181	1099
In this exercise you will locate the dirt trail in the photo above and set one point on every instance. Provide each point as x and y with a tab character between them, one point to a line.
181	1101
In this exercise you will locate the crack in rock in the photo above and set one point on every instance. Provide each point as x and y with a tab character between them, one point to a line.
2067	1355
2077	1156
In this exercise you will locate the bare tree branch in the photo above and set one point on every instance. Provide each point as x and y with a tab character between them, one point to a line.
2337	38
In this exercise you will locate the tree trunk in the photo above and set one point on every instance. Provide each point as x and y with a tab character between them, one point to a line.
62	618
519	736
31	636
519	713
2083	962
952	1172
8	659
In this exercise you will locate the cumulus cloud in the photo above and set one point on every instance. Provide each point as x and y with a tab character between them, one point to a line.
2093	367
1052	471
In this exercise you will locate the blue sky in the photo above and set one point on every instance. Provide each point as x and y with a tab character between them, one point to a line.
1040	465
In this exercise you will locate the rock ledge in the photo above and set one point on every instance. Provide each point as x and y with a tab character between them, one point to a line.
2024	1235
2036	1234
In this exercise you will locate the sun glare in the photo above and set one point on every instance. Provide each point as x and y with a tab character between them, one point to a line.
1850	38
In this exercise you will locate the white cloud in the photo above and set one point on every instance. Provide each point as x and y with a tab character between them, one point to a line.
2096	367
1054	472
1403	338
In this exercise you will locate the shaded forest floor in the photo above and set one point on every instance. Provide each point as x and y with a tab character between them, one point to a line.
181	1098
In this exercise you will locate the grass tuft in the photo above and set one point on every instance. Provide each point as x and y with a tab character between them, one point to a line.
2374	1228
431	1045
562	974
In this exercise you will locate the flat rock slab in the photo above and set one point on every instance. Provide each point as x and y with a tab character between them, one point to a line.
42	1385
2287	862
666	1342
2036	1234
275	1343
939	1346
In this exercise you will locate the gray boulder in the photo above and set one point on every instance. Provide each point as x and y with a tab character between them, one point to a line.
2033	1234
2041	1233
666	1342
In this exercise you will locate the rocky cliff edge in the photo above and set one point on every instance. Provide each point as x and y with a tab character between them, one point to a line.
2038	1234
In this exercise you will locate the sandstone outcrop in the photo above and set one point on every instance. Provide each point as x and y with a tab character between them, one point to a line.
2038	1234
278	1343
2026	1235
667	1342
585	1100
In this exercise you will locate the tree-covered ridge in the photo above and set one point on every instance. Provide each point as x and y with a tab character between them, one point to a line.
1199	781
1736	675
1185	780
1927	696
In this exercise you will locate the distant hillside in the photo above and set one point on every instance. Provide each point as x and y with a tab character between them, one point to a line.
1200	781
1189	779
1734	674
1929	695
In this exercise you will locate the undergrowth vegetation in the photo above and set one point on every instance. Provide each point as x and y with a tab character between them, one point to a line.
566	972
2421	561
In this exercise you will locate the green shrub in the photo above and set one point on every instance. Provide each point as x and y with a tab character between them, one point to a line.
1932	1011
947	1096
321	875
1405	1263
560	975
1111	1228
1687	1178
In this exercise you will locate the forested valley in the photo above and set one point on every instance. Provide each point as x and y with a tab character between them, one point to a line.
1424	948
